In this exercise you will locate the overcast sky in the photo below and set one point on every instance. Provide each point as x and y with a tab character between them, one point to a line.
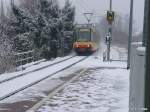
99	7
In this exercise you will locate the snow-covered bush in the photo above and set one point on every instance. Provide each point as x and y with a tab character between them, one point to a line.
23	43
7	62
6	53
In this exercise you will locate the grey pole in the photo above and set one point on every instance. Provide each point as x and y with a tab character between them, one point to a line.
145	30
110	8
130	34
110	34
12	2
62	44
147	75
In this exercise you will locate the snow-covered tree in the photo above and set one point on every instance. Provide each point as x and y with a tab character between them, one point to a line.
50	9
30	6
23	42
21	27
69	16
49	12
43	21
23	20
6	57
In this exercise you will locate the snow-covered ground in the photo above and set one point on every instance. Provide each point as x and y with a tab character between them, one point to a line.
104	88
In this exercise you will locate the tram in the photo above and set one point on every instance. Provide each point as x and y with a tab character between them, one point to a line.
87	39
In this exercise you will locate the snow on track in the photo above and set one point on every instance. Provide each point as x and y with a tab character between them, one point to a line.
31	64
13	85
30	69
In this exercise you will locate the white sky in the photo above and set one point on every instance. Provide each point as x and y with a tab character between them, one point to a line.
100	6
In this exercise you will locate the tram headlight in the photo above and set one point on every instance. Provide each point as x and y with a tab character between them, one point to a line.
89	45
76	45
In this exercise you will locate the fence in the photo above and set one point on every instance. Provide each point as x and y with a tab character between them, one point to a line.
24	58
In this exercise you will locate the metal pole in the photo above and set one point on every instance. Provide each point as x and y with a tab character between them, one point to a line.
108	52
130	34
147	76
110	5
110	34
145	30
62	44
12	2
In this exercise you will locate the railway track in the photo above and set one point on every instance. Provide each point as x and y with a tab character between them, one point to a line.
26	73
26	78
35	63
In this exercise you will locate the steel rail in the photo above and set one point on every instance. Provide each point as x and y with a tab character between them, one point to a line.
38	81
38	69
35	63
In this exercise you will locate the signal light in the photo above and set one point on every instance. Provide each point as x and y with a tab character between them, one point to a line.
110	16
76	45
88	45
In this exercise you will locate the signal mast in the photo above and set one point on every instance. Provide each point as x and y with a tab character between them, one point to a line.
108	38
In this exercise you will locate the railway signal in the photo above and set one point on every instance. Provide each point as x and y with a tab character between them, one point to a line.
110	16
110	19
108	40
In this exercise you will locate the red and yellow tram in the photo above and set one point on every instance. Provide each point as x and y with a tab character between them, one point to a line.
86	40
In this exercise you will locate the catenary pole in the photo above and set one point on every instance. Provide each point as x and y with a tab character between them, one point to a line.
145	30
130	34
110	8
147	75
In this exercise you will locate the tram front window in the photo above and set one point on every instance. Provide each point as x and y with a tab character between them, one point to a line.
84	36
